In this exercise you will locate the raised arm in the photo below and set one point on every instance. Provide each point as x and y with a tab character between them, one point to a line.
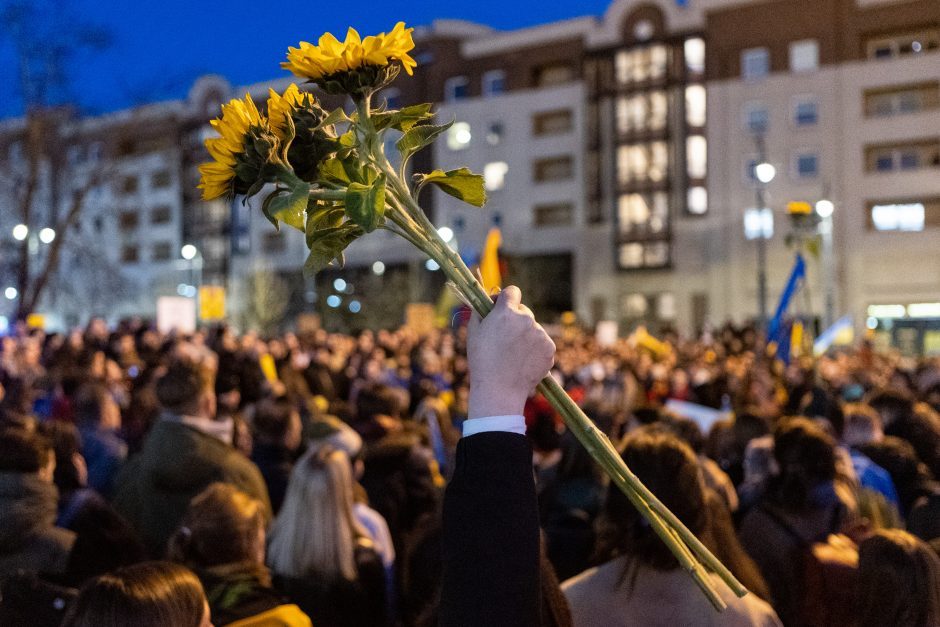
491	527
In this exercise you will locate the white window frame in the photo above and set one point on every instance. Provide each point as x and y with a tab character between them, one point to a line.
489	78
752	53
450	86
794	105
804	56
795	167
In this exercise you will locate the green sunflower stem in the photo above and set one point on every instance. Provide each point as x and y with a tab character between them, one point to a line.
404	211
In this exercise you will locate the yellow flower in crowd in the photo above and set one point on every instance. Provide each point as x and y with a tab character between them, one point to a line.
330	56
237	117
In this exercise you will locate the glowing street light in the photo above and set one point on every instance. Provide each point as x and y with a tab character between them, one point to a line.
47	235
10	293
446	233
20	231
378	268
189	252
765	172
825	208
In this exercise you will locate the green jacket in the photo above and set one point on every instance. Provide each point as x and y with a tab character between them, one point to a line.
176	463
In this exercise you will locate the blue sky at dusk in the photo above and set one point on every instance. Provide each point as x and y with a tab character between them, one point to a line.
159	47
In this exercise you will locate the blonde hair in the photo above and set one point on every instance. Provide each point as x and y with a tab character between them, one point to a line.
316	531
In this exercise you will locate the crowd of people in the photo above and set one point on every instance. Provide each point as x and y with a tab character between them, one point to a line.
227	479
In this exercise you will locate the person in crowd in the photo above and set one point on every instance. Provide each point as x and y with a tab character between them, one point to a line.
800	507
898	581
104	540
185	451
277	441
150	594
29	539
98	417
321	556
222	539
640	581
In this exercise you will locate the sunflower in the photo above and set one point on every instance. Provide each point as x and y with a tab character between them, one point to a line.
330	56
238	117
280	107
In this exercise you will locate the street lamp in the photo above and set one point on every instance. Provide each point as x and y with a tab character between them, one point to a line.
764	172
47	235
20	232
825	208
10	293
189	252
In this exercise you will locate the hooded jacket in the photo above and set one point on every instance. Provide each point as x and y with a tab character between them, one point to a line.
29	540
176	463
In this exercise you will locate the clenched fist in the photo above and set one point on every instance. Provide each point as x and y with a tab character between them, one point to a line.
508	353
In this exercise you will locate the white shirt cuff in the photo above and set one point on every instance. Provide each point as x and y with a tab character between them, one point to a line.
511	424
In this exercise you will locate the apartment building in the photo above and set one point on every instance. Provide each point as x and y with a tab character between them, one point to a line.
619	154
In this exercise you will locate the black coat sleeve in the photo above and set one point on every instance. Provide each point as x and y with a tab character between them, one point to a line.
491	535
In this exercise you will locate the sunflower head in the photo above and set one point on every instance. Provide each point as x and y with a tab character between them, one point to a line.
297	115
246	144
356	64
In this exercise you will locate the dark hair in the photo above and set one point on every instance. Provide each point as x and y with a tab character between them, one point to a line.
670	469
377	399
220	527
23	451
272	418
89	401
892	405
898	581
152	594
806	457
179	388
66	442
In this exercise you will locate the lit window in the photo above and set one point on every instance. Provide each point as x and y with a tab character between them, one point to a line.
631	255
634	305
806	112
698	200
456	88
806	165
695	55
804	55
695	105
494	175
758	223
755	63
666	306
696	154
898	217
642	64
458	136
756	117
494	82
643	213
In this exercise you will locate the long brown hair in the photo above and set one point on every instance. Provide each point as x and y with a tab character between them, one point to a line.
898	581
151	594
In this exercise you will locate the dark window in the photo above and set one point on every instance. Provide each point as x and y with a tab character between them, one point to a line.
128	220
161	179
553	169
130	254
129	185
161	215
274	242
162	251
552	122
554	214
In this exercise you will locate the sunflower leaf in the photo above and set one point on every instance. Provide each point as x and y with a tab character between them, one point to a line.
289	207
333	118
419	137
365	204
403	119
460	183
